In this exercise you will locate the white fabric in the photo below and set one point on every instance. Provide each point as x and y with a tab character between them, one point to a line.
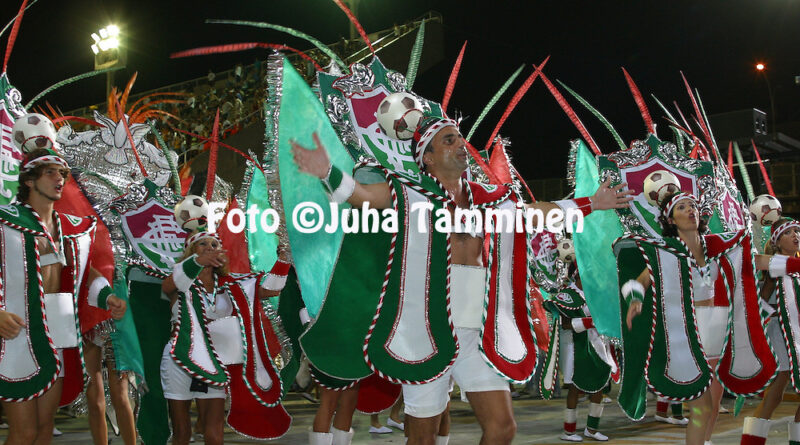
315	438
342	437
61	372
777	265
566	355
467	291
577	325
442	440
570	415
509	342
469	371
712	324
756	426
632	286
675	332
226	337
412	341
274	282
775	335
794	431
182	281
176	382
17	361
345	189
94	290
700	290
263	379
60	311
49	259
596	409
304	316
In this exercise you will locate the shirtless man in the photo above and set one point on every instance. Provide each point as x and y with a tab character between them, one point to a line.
33	234
440	150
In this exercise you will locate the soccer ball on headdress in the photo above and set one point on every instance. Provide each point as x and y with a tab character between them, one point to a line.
566	250
192	213
660	184
33	131
398	115
765	209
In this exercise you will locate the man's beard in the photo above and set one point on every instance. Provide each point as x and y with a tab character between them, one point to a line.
51	198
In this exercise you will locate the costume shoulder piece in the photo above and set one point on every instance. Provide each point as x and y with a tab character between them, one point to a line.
19	217
488	195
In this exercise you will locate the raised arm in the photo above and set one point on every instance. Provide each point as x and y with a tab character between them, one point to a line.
340	185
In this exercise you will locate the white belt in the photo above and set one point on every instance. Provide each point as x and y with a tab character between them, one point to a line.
60	312
467	291
226	336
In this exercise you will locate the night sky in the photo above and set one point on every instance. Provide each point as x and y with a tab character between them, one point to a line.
716	43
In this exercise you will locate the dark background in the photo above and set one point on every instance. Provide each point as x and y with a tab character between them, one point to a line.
716	43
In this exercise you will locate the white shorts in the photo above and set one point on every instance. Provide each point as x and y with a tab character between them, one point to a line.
470	372
176	383
775	335
712	324
63	370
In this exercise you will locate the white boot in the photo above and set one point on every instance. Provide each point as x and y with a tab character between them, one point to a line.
342	437
315	438
442	440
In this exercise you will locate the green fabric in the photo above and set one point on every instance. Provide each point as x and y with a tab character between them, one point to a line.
20	215
151	316
593	250
550	356
9	180
262	247
330	382
334	179
184	343
788	334
441	333
289	304
102	297
301	115
333	343
124	337
637	341
592	422
191	267
39	339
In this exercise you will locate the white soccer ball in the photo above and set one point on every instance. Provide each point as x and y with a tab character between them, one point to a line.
566	250
399	115
765	209
192	213
660	184
33	131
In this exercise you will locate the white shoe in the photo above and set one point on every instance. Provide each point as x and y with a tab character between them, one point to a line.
597	435
381	430
708	442
3	426
571	437
400	426
683	421
56	432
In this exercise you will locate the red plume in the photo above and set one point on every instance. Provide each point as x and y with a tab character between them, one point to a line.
355	23
730	158
763	170
235	47
499	164
212	158
130	136
637	96
451	83
515	100
13	36
571	114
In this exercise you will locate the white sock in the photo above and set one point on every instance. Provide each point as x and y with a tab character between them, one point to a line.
342	437
442	440
315	438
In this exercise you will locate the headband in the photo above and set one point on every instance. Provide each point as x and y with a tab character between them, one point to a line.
200	235
424	134
672	202
776	234
47	159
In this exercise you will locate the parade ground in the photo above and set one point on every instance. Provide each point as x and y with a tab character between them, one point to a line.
538	422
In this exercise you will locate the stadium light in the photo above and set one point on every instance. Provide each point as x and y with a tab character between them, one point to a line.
108	52
760	66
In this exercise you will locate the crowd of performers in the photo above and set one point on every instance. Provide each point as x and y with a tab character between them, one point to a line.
659	294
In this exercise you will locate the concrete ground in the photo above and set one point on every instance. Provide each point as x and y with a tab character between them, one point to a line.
538	422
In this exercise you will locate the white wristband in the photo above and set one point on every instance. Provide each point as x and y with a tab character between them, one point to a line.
630	289
94	290
777	265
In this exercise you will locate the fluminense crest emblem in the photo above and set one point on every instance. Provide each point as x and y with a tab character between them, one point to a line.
154	234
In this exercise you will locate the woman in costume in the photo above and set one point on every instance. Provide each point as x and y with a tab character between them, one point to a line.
675	280
582	354
218	341
781	294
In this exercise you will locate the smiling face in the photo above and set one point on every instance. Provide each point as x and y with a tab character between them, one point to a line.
789	242
447	152
685	216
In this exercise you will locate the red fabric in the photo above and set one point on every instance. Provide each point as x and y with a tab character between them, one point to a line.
247	416
747	439
661	407
587	322
73	377
539	317
570	427
280	268
500	165
235	243
73	202
584	205
376	394
715	244
793	265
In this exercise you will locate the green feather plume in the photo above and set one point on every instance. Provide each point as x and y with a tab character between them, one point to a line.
58	85
494	100
597	114
416	54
